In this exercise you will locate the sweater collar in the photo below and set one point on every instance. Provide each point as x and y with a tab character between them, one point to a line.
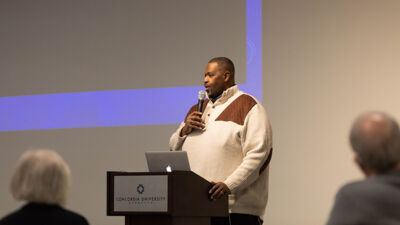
226	95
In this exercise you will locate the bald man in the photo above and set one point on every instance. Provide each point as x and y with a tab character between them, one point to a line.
375	139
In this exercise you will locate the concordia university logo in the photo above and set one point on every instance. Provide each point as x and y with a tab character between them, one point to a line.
140	189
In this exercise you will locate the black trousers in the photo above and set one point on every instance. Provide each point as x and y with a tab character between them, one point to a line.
237	219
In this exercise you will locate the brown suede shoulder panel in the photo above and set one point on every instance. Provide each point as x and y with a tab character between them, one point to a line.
238	110
194	108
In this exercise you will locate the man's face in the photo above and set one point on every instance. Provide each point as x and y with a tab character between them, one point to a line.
214	80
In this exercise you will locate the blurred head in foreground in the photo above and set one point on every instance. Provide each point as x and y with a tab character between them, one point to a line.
41	176
375	139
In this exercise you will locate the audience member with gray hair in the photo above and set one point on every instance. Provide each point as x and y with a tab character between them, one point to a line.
375	139
42	179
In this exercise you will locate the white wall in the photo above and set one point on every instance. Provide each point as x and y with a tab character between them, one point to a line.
324	63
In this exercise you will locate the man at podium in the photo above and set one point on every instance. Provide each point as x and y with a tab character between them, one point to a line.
229	143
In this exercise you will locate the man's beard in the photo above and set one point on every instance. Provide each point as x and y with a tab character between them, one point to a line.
212	94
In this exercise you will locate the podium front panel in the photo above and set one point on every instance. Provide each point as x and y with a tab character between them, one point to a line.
141	193
178	194
138	193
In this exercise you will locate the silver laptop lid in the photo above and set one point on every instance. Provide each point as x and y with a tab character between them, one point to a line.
167	161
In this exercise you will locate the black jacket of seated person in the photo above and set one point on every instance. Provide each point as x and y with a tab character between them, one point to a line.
43	214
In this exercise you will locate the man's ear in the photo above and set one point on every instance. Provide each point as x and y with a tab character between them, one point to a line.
227	76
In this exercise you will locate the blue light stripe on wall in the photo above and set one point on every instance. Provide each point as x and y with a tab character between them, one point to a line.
124	107
253	84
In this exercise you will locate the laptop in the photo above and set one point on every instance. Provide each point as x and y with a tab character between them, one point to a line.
167	161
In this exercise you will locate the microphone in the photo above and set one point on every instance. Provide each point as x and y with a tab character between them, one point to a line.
202	95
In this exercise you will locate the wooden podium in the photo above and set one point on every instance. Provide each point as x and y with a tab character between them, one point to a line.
175	198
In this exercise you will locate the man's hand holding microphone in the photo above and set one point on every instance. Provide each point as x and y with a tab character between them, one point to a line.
194	121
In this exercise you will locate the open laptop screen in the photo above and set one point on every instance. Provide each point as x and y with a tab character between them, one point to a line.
167	161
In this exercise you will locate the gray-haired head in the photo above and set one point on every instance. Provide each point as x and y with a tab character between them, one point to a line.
375	138
41	176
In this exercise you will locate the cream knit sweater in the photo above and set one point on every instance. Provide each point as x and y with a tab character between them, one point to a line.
233	148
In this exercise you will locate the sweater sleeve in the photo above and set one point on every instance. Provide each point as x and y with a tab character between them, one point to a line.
256	138
176	141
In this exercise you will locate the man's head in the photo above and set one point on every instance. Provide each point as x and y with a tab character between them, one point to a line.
375	138
41	176
219	76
